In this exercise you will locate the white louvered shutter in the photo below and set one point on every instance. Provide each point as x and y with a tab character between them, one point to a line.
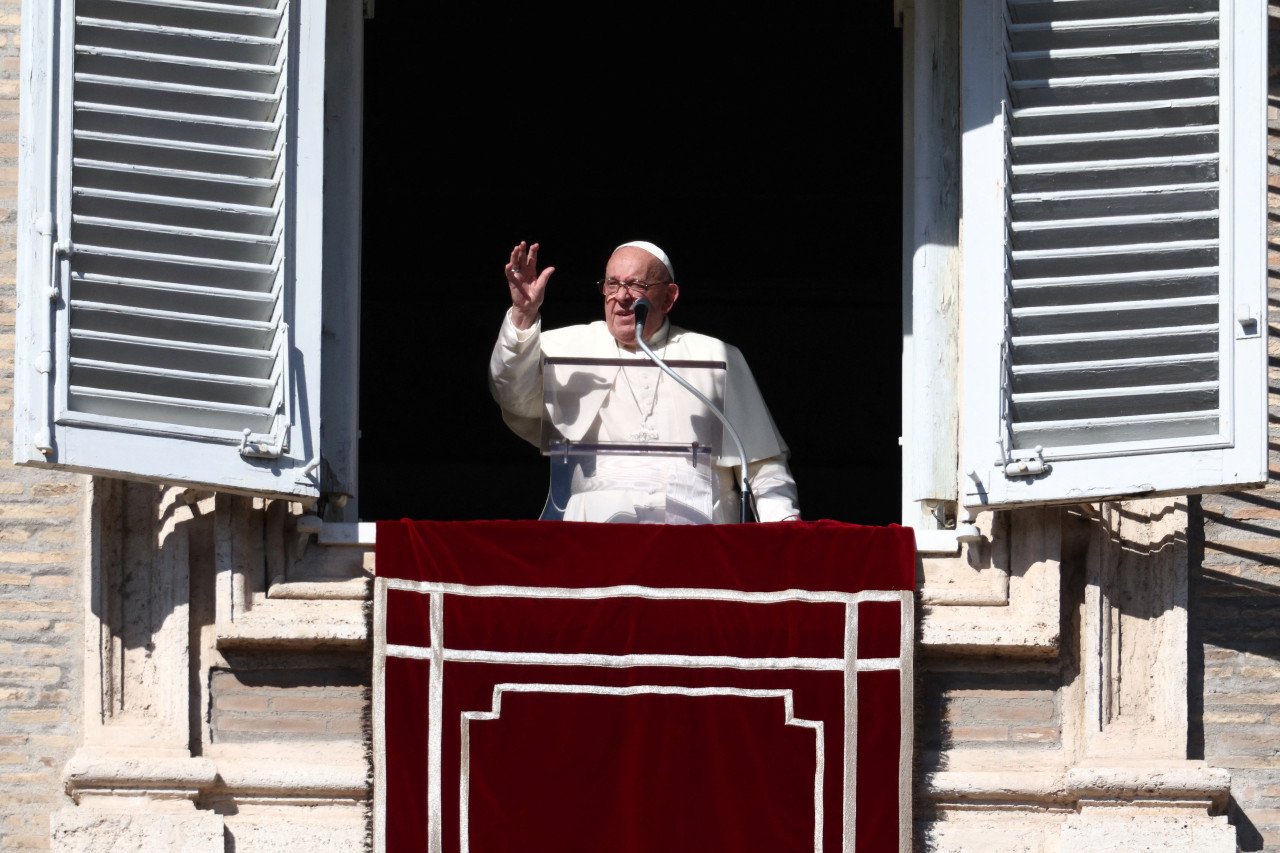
1113	233
170	319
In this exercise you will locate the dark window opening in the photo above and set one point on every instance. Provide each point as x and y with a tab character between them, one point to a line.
761	149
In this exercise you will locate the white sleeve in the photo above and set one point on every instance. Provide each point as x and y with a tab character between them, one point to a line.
774	489
515	377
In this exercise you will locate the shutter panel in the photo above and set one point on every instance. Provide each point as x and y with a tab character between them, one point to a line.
1115	267
179	350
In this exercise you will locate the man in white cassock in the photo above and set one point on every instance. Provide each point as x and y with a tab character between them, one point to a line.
635	405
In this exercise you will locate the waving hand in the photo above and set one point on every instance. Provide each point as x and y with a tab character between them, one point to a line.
527	285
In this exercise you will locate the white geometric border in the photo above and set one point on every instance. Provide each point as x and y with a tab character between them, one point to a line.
789	719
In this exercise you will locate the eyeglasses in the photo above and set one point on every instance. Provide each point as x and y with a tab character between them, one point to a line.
610	287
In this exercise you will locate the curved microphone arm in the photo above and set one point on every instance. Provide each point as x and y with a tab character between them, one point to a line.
745	512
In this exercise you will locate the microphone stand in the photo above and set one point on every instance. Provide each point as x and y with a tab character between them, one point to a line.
745	510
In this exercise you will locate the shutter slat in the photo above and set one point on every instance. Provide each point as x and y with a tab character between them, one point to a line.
106	64
155	180
1141	201
1074	437
170	240
234	103
213	264
1082	375
1113	145
1095	233
187	212
172	384
186	355
170	59
1185	305
175	326
177	289
214	324
255	7
239	20
237	380
197	44
1116	87
1125	287
178	126
250	156
1090	403
219	302
131	405
1124	115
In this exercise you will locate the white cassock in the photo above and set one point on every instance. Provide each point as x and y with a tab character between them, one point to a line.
630	405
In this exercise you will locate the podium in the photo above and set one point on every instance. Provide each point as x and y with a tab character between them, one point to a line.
661	471
627	688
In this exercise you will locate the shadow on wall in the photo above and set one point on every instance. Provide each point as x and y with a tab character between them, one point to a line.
1233	677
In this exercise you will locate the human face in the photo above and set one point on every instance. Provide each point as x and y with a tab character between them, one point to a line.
634	264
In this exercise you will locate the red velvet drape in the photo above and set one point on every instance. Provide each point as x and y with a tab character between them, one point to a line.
642	688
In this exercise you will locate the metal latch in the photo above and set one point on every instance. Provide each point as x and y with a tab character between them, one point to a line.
264	446
1026	463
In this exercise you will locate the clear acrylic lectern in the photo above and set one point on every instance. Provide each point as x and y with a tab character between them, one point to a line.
660	471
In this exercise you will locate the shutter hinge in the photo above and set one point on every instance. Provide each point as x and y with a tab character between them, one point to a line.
1026	463
43	441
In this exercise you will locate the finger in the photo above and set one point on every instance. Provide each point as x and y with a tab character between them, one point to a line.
545	277
533	256
515	258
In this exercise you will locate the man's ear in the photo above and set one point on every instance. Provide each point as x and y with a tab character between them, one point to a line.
673	293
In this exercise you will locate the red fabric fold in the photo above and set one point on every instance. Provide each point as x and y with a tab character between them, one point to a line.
811	555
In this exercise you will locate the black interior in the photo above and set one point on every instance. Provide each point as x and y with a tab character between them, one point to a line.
760	146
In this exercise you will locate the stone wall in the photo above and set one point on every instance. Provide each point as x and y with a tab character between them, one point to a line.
42	557
1235	586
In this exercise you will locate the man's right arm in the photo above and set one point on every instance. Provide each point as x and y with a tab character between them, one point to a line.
515	369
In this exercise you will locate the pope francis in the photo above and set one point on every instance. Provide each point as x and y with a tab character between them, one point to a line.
633	405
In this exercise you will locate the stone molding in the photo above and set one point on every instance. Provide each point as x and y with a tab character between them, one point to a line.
274	589
1174	783
1000	595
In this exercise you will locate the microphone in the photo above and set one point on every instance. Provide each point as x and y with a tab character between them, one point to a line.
641	307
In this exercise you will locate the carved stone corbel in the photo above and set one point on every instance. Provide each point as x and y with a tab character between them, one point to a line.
135	781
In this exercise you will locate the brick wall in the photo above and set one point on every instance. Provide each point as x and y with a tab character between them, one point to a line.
41	557
988	705
1235	587
281	705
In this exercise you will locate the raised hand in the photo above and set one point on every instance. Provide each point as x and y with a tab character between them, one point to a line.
527	285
